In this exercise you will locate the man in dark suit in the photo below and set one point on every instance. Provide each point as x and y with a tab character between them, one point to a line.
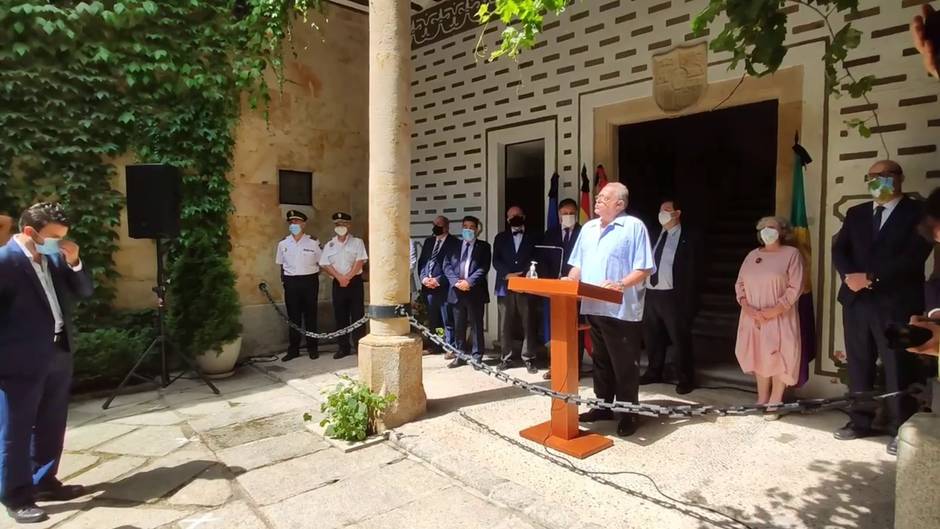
671	294
41	275
513	252
434	284
466	271
880	257
554	261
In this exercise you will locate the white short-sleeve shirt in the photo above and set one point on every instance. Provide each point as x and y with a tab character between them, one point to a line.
343	255
299	257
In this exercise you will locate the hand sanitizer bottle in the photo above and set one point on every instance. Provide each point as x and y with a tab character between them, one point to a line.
532	274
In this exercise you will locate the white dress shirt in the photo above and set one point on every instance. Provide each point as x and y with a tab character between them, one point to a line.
45	279
517	238
343	255
298	257
889	208
664	275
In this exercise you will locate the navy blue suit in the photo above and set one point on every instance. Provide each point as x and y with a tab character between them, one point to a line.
515	308
468	306
440	313
894	262
35	372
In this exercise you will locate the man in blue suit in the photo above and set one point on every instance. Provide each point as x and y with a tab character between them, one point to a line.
434	284
466	271
513	252
41	275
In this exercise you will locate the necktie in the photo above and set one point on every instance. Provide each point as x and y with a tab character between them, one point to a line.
564	240
657	257
876	223
464	255
433	260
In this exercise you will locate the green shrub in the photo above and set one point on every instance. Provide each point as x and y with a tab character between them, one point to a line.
107	351
351	410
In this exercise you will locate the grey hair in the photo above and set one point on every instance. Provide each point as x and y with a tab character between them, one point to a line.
786	230
622	192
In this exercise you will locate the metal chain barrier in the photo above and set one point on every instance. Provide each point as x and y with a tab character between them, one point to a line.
649	410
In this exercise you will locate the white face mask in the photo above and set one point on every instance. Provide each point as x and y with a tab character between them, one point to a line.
568	221
665	217
341	230
769	235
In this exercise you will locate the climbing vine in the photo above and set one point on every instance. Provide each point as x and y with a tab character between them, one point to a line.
82	83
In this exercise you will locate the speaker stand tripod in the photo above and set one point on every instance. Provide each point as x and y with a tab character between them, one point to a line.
160	344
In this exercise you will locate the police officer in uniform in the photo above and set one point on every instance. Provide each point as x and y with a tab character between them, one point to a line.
343	258
299	257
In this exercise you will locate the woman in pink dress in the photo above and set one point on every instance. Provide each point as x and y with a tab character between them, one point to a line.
768	287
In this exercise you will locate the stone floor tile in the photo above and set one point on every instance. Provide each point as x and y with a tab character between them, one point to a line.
151	441
272	450
72	464
109	470
211	489
153	481
124	518
92	435
235	515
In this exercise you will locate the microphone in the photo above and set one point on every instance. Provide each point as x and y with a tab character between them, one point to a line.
561	261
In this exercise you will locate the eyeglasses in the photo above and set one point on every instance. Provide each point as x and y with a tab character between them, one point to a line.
887	174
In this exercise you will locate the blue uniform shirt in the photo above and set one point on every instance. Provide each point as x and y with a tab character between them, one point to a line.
610	255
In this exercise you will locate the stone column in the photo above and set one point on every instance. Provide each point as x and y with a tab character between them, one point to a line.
390	358
918	476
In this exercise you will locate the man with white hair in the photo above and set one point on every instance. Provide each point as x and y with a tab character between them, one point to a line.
613	251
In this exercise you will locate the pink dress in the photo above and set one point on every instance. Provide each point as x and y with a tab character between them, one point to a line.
766	280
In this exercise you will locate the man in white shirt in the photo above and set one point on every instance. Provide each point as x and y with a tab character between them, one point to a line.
299	258
41	276
343	259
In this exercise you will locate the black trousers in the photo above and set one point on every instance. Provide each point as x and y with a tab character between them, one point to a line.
865	322
440	313
664	324
300	296
616	358
469	312
516	309
348	308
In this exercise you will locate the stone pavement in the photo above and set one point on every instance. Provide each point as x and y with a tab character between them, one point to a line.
184	458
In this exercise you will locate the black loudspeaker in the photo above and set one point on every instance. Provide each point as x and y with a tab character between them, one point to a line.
154	193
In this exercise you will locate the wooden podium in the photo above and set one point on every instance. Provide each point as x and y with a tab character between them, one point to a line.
562	432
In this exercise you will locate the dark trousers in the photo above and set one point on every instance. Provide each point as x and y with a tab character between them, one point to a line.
348	308
516	309
33	413
616	358
664	324
300	296
865	322
440	313
469	312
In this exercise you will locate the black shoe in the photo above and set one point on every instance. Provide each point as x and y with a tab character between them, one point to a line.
650	378
289	356
893	446
596	415
61	493
683	388
313	355
547	375
340	354
850	432
628	426
530	368
504	365
27	514
456	363
449	356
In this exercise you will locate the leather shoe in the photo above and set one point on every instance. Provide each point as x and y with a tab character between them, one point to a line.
683	388
628	426
449	356
289	356
27	514
340	354
547	375
596	415
530	368
504	365
893	446
650	378
849	433
313	354
456	363
61	493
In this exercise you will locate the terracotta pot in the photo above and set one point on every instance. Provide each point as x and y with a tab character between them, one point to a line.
220	365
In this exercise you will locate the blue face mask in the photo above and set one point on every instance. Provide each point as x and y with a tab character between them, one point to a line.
295	229
48	247
468	234
881	188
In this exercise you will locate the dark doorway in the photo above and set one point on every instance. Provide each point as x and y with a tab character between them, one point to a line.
525	183
721	167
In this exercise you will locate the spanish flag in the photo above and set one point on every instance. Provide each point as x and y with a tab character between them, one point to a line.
585	196
802	241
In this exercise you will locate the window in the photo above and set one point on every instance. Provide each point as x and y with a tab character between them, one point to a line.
295	187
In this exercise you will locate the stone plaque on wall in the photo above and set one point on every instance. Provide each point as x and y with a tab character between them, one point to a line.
680	76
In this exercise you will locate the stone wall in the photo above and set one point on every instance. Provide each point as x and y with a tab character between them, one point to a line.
318	123
600	54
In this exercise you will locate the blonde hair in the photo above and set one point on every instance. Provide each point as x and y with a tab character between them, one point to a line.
786	230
